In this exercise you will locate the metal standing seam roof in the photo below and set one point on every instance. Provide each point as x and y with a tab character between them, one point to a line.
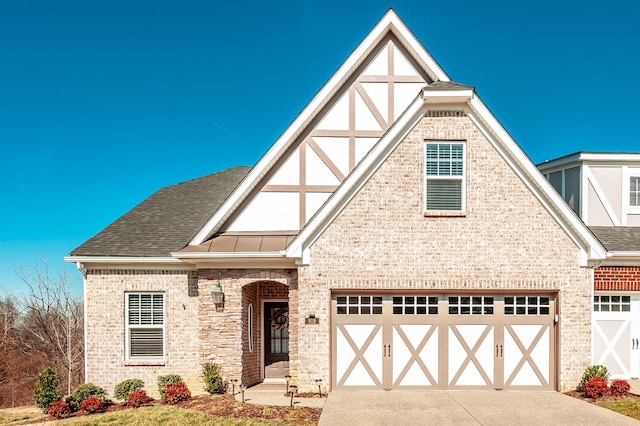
618	238
166	221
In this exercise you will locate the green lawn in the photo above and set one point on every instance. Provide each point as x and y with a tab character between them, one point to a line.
628	406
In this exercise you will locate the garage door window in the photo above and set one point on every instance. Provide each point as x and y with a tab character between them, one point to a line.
359	305
471	305
612	303
526	305
415	305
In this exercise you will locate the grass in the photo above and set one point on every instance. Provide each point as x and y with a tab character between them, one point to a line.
628	406
19	415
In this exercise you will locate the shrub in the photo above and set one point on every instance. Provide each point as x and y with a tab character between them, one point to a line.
124	389
212	380
593	372
620	387
88	390
92	404
138	398
596	387
176	392
163	381
59	410
46	391
73	404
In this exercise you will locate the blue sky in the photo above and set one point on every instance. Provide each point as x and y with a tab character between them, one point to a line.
104	102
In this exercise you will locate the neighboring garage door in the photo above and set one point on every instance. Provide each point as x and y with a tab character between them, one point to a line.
616	330
443	341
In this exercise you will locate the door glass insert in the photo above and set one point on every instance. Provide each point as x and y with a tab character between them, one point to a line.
526	305
415	305
279	330
608	303
471	305
359	305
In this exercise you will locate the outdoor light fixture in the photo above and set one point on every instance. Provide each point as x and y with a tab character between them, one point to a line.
217	294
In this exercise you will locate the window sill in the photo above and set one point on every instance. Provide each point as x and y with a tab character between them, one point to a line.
444	213
145	363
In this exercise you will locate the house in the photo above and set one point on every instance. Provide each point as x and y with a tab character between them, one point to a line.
604	189
394	237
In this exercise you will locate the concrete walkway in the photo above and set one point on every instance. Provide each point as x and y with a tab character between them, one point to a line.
463	408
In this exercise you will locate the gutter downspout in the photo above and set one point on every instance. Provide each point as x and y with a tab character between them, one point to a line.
83	271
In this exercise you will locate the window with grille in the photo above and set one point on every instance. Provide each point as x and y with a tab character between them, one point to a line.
444	176
526	305
359	305
612	303
634	191
470	305
145	325
415	305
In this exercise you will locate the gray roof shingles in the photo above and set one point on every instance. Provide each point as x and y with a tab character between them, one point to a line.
618	238
167	220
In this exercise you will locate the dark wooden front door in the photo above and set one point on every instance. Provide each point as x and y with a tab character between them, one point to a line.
276	340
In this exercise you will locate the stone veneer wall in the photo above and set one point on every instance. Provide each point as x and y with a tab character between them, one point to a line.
223	330
105	335
382	240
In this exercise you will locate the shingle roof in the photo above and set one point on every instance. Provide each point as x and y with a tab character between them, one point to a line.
618	238
167	220
448	85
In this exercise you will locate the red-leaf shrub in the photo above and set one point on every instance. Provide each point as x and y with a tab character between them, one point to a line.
138	398
596	387
620	387
59	410
91	405
176	392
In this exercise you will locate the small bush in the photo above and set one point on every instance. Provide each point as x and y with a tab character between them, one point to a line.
596	387
59	410
73	404
620	387
138	398
176	392
92	405
163	381
593	372
124	389
46	391
88	390
212	380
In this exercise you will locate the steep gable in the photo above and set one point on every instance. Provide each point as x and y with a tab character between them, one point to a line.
331	135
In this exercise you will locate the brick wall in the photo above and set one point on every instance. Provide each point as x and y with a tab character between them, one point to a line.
105	299
506	241
622	278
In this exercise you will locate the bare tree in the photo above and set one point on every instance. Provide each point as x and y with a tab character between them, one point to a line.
53	322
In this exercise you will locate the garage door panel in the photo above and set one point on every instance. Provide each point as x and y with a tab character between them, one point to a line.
360	357
527	355
471	355
612	345
415	355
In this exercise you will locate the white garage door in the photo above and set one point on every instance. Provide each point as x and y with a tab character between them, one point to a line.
443	342
616	330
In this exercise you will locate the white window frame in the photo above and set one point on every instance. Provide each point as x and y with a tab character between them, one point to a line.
462	178
631	189
129	327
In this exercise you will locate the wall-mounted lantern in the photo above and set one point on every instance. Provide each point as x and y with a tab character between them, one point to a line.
217	294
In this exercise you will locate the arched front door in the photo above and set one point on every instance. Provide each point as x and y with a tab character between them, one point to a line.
276	340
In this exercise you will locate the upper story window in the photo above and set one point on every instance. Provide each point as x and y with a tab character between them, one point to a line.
444	176
145	326
634	191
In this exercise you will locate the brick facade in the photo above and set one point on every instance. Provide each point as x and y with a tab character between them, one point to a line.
617	278
506	241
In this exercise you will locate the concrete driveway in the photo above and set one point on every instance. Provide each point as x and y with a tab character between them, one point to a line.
400	408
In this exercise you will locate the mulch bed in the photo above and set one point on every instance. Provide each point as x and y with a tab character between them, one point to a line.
226	405
579	395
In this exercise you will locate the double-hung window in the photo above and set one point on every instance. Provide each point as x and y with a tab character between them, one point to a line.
444	177
145	326
634	191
